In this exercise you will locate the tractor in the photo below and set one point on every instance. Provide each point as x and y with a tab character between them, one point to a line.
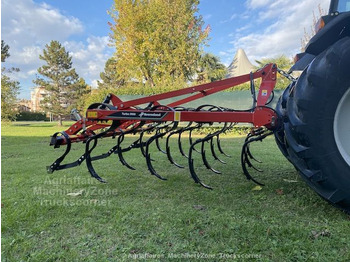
311	122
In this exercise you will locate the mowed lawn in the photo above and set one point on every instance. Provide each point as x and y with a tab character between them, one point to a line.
137	216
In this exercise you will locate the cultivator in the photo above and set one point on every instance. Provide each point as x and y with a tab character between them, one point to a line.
115	118
311	121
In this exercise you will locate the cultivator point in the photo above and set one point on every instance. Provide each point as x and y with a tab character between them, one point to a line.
116	118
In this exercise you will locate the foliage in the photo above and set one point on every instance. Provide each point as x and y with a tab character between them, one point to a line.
4	51
9	88
136	214
110	77
309	34
210	69
60	81
31	116
157	40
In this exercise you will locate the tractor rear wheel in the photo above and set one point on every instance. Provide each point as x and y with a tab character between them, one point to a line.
317	124
281	110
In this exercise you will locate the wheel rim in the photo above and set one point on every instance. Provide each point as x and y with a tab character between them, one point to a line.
342	126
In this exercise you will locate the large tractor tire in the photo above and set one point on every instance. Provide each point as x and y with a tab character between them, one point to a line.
281	110
317	124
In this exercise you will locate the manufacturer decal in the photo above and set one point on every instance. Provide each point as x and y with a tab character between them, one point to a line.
138	115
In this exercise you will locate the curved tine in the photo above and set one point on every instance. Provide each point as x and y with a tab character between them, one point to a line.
120	152
214	153
141	136
157	143
180	144
218	143
148	159
192	171
251	156
89	165
244	159
89	150
205	161
168	153
50	169
248	149
190	136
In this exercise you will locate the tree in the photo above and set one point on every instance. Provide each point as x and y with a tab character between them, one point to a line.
110	77
4	51
210	69
9	88
308	35
59	80
157	40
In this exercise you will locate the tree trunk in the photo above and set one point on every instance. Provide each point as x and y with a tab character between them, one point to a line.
59	120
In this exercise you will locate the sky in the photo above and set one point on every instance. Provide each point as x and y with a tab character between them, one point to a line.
263	28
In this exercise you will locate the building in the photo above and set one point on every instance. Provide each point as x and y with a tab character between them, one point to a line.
36	96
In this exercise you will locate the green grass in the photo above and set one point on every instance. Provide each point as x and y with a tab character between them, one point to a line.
136	214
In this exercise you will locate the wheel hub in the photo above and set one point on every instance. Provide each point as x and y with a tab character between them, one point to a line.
342	126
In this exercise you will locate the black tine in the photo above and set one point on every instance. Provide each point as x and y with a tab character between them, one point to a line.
180	145
168	153
257	135
120	152
54	166
148	159
214	153
88	150
142	144
190	139
193	172
219	146
89	165
151	169
157	143
244	168
251	156
205	161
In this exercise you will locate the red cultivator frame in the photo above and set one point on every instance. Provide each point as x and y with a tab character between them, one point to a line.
116	118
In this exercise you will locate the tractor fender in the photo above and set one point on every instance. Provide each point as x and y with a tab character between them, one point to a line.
336	29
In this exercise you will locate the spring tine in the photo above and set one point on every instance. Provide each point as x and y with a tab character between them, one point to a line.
148	159
218	142
88	151
205	161
141	143
168	153
251	156
248	148
55	165
157	143
180	145
244	161
120	152
214	153
192	171
190	138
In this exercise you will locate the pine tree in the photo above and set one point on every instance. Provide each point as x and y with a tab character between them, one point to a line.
59	80
110	77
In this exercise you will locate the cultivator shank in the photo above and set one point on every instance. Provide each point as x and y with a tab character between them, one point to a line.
116	118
